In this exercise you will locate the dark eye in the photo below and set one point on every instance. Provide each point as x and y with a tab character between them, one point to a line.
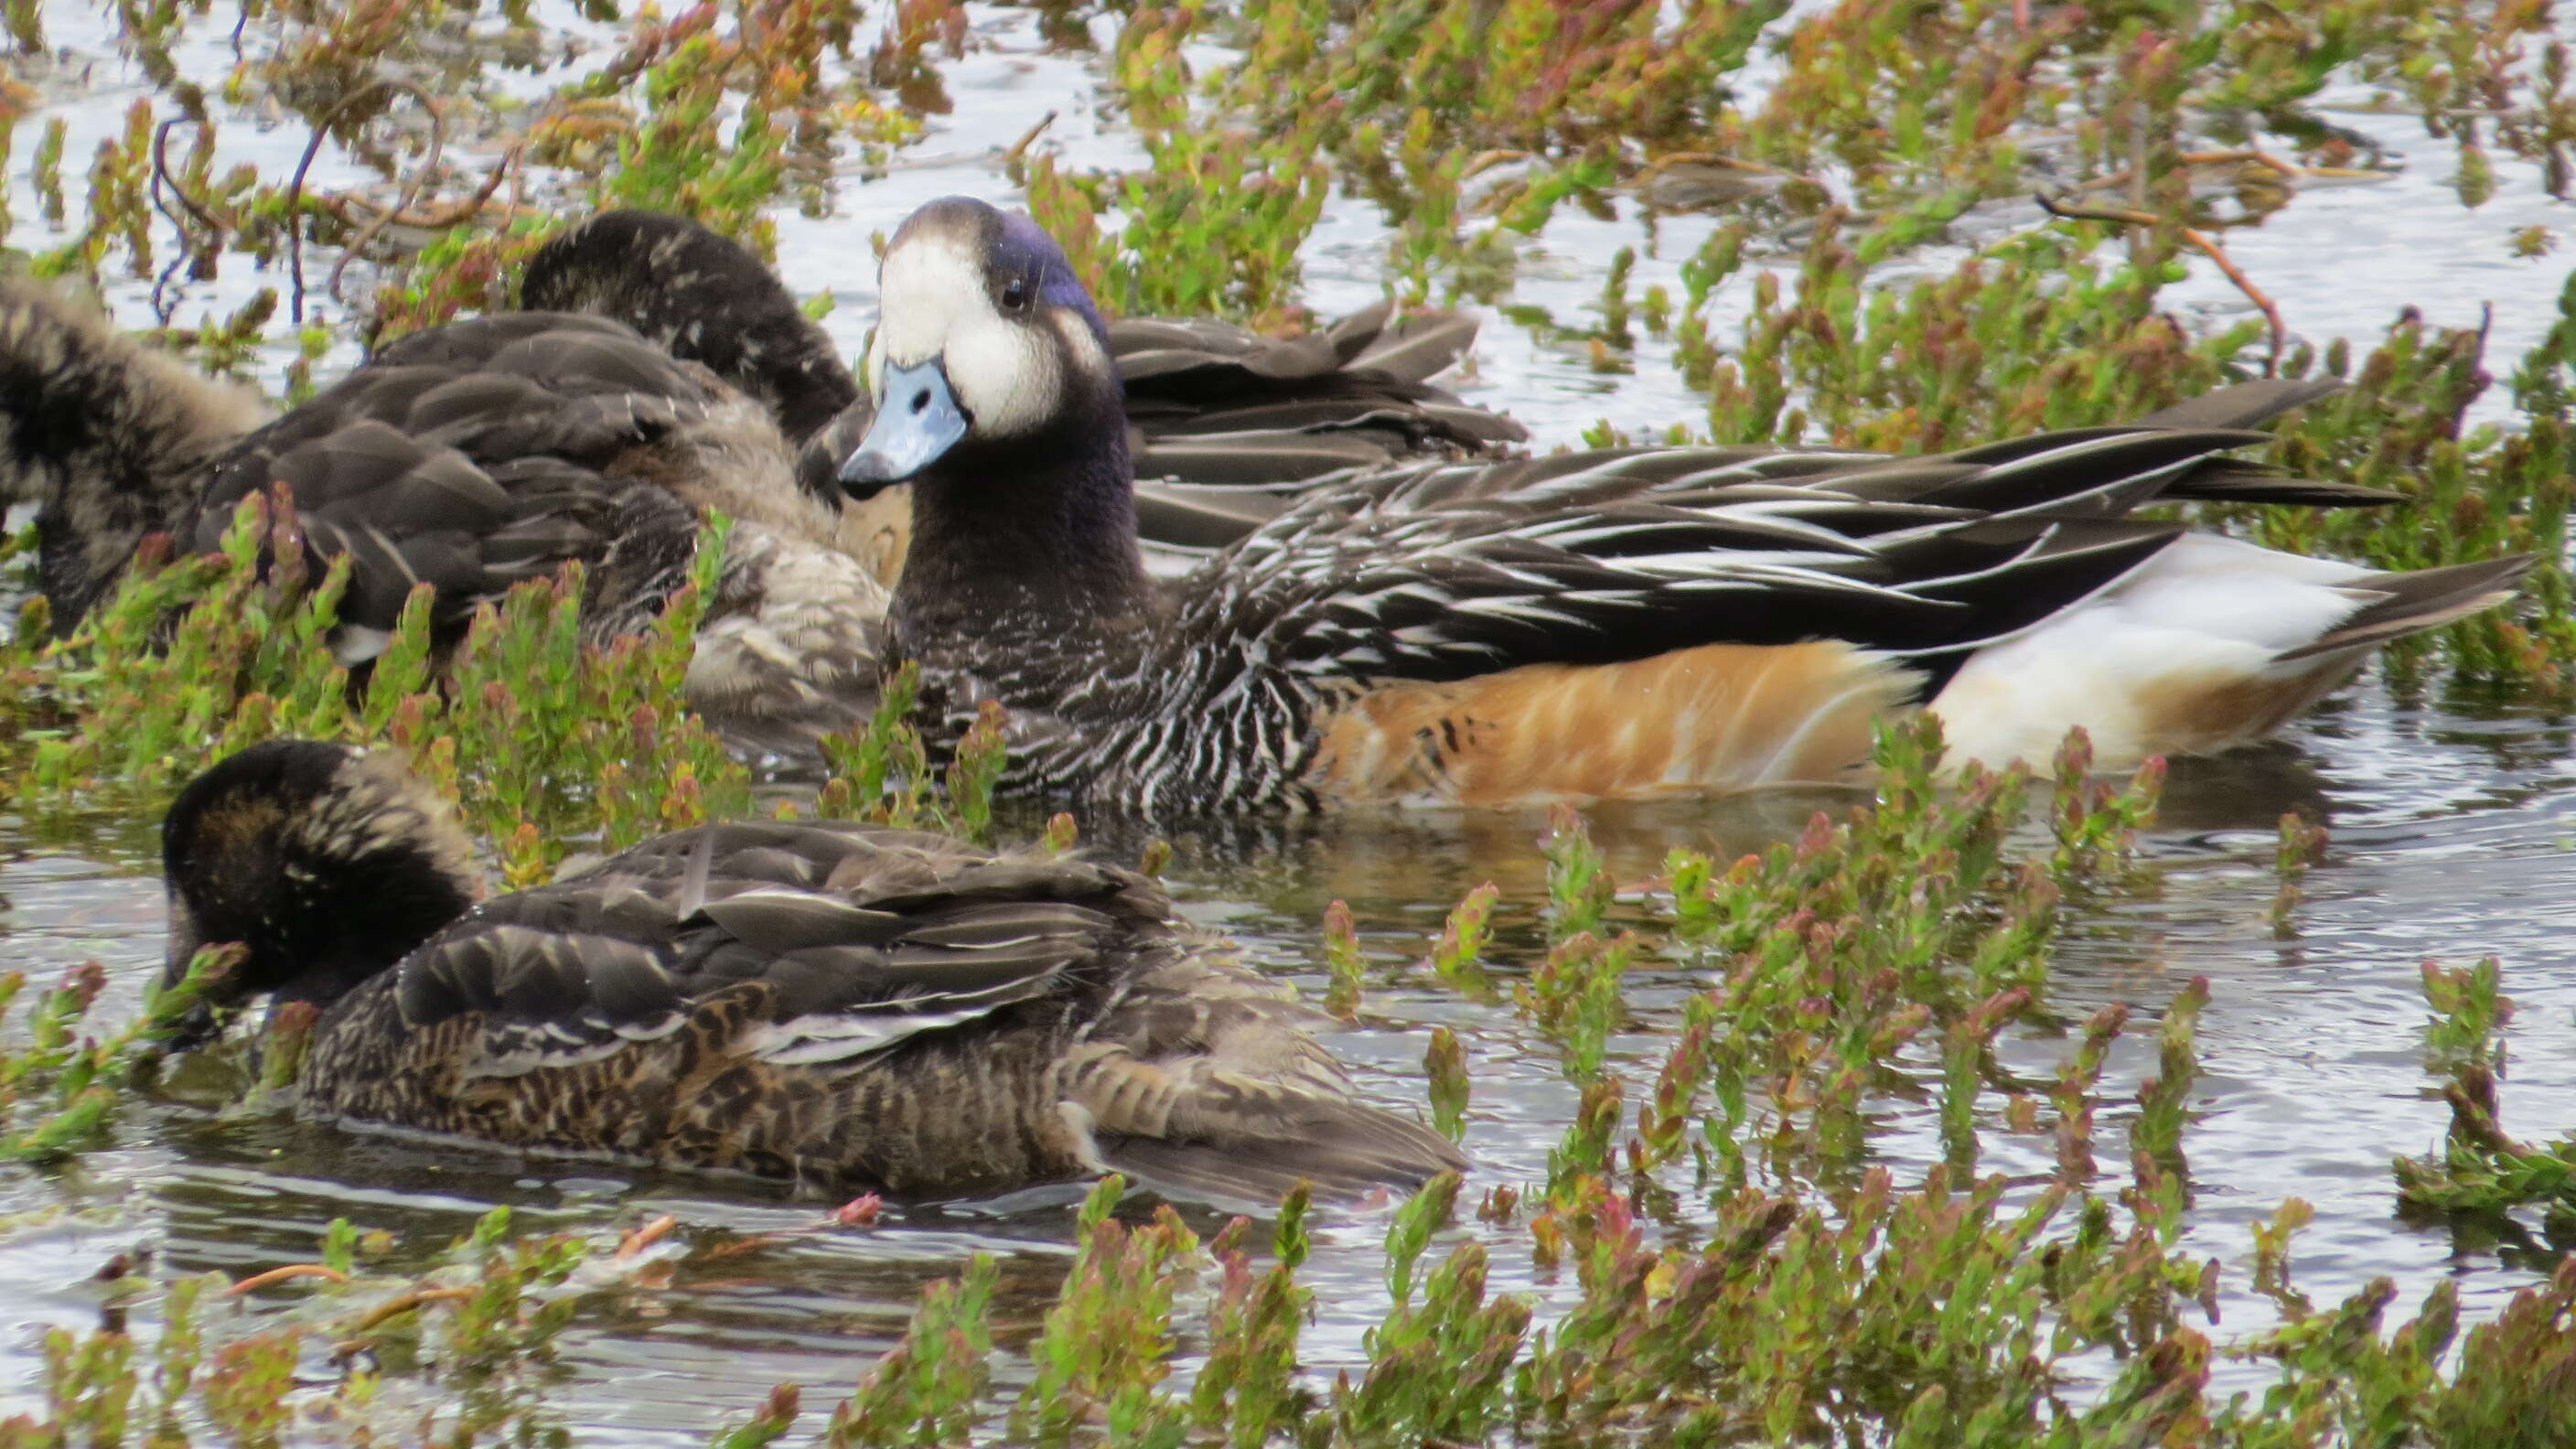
1015	294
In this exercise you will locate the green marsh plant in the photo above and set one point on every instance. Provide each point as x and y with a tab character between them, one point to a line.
547	742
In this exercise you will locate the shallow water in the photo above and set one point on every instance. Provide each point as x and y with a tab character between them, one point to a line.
2453	825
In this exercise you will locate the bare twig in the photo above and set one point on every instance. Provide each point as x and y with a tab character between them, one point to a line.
257	1281
2207	246
2254	154
413	181
162	177
2137	114
402	1303
2123	177
646	1236
437	218
1027	139
2068	211
313	147
2271	311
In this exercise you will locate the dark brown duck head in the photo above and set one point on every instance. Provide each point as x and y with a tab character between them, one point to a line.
326	863
704	298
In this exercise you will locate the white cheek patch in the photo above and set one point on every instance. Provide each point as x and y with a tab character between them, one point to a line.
935	304
1081	345
1004	374
923	285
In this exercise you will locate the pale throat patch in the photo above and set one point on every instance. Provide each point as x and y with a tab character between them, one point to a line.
1007	374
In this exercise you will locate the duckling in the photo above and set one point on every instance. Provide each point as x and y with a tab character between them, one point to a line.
847	1006
1225	424
470	457
1621	624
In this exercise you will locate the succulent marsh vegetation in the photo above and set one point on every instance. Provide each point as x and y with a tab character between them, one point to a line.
1713	1224
1731	1263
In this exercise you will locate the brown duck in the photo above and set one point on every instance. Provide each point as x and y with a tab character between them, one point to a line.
658	369
847	1006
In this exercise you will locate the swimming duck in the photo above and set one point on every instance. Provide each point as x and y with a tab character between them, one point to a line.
848	1006
662	369
470	456
1224	424
1621	624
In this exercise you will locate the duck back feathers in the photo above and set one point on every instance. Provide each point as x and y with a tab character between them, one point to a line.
701	297
469	457
852	1007
1208	401
499	449
472	459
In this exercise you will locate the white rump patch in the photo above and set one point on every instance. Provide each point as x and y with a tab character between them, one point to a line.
2207	614
355	644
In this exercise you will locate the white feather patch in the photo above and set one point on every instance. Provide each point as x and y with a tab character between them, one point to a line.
2205	615
516	1049
1006	373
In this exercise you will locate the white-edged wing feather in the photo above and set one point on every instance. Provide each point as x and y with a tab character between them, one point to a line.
839	941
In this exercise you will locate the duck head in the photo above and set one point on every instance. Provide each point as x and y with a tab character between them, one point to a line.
702	297
988	354
327	863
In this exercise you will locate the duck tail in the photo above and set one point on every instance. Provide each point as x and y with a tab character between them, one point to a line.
1343	1150
2410	603
2222	479
1253	1108
2243	405
2213	643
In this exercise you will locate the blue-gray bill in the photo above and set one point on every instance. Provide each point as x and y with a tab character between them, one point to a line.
917	420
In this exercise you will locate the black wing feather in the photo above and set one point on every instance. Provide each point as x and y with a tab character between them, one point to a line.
1439	573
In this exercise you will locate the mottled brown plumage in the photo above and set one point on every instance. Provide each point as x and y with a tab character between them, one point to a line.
469	457
847	1006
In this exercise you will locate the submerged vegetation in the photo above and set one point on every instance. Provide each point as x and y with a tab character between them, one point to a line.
1713	1242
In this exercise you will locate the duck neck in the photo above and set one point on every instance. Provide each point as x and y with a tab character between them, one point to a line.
336	949
1034	543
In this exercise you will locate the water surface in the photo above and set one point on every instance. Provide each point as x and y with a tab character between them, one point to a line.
2452	829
